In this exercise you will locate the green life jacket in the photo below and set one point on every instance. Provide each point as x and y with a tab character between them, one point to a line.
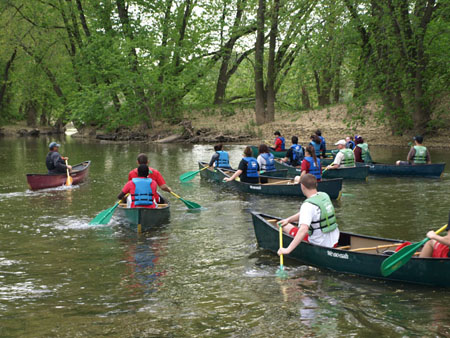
420	156
365	154
327	222
349	158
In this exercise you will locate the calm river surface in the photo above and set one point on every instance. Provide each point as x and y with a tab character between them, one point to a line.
202	274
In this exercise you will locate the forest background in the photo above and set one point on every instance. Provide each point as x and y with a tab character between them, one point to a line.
115	63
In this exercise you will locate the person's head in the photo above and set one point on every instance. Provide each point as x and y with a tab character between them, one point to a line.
142	170
315	138
418	139
142	159
248	152
53	146
359	139
294	140
340	144
263	149
318	132
310	151
277	133
218	147
347	139
308	183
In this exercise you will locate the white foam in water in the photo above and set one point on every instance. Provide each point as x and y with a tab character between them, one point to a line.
258	273
68	223
28	193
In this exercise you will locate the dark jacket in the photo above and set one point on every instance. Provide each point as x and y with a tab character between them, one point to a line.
55	164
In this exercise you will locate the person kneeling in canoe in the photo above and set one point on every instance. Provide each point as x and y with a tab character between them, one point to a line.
418	154
220	159
316	219
266	160
279	142
437	247
142	190
247	170
361	150
153	173
344	158
54	161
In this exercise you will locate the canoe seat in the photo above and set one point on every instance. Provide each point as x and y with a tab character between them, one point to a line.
160	206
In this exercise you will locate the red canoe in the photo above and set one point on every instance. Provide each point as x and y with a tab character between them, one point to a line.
43	181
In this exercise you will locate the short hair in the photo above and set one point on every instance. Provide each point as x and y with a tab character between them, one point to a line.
318	132
294	139
142	170
277	133
263	148
142	159
309	181
218	147
418	138
248	151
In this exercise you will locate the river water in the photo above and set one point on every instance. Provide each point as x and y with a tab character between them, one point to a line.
202	274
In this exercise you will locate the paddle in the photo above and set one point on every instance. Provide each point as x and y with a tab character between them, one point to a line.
69	180
400	258
191	174
281	272
189	204
105	216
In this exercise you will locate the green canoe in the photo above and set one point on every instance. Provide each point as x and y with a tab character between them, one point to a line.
356	173
272	185
144	219
427	271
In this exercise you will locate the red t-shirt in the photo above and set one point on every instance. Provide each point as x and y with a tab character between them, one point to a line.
278	144
130	188
440	250
155	176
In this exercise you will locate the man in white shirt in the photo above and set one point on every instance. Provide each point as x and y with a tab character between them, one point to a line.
316	219
344	158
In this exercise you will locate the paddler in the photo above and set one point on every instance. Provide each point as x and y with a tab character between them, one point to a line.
323	143
437	246
418	154
54	161
247	170
265	159
344	158
142	190
295	154
316	219
361	151
279	142
153	173
316	142
220	159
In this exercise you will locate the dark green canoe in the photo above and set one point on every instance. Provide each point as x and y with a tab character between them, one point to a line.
427	271
272	185
277	154
433	170
144	219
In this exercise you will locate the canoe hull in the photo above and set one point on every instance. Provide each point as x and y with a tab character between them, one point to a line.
79	173
144	219
331	187
434	170
356	173
427	271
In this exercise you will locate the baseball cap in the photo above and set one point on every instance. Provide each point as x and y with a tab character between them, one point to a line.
340	142
53	144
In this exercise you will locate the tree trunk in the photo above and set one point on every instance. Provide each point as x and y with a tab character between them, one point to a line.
260	109
31	113
305	98
5	81
271	66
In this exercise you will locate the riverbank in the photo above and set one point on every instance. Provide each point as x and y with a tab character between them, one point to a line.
238	126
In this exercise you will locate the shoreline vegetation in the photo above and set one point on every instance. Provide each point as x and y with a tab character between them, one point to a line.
238	126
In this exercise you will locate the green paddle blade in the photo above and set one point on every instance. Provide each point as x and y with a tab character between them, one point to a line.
400	258
105	216
188	176
190	204
281	272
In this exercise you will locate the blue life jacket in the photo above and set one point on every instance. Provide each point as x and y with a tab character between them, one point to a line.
316	147
297	153
223	160
350	145
324	143
252	167
283	145
143	194
313	169
270	162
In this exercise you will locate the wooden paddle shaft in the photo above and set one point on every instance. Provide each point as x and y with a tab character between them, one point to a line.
377	247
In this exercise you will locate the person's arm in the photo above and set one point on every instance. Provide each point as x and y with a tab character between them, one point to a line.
59	163
125	190
260	160
337	161
357	152
441	239
288	155
297	240
165	187
411	154
232	178
428	157
213	159
291	219
304	168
